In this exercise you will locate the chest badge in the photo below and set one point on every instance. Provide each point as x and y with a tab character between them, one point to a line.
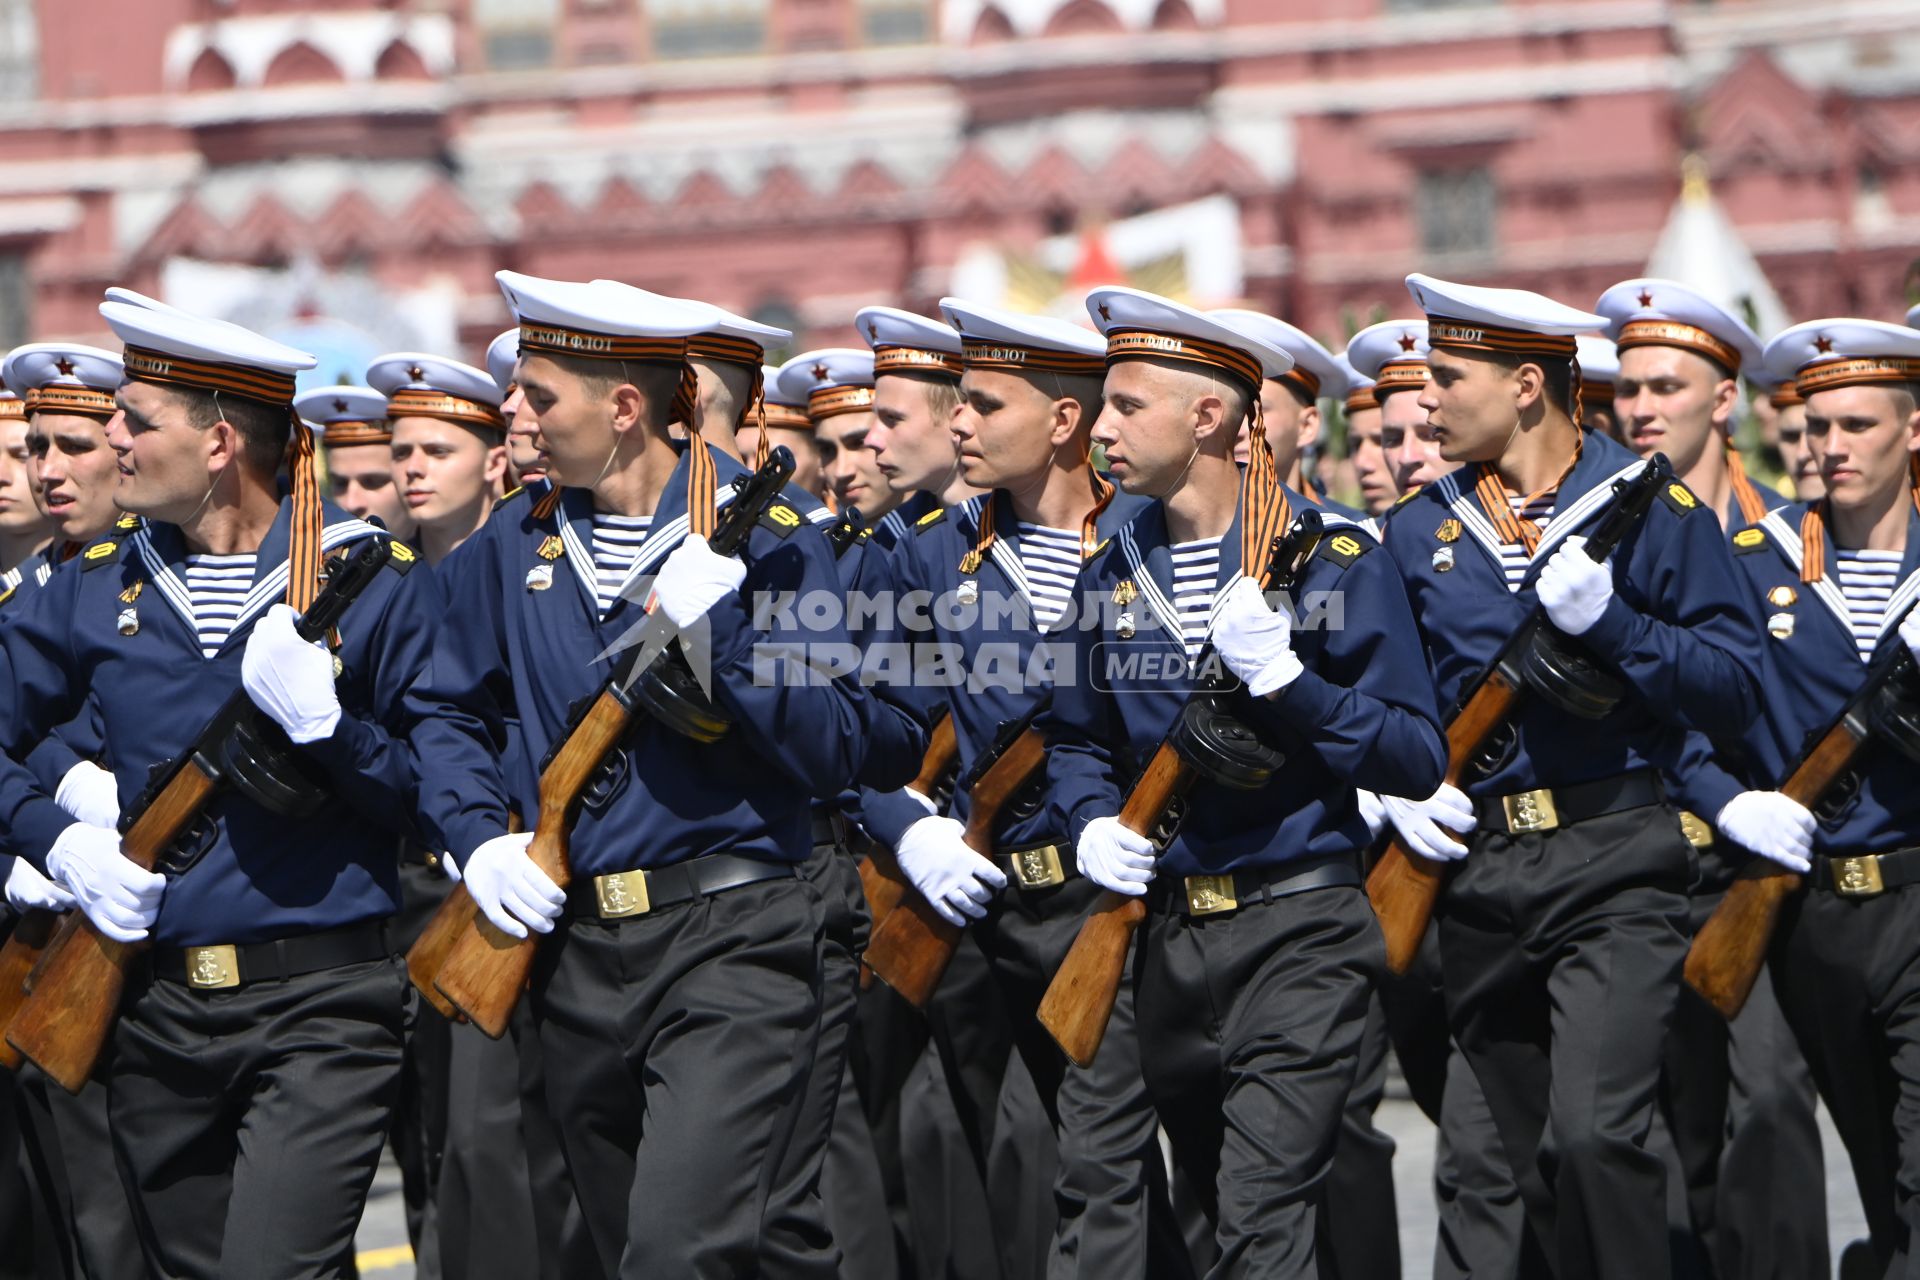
540	577
1123	626
970	562
1449	530
1443	560
968	592
552	548
1780	626
128	623
1125	593
1782	597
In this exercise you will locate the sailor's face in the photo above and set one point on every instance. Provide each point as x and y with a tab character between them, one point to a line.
569	419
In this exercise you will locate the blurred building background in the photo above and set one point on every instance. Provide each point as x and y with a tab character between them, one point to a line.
348	174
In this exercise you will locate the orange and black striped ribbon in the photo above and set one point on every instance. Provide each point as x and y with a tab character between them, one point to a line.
1264	508
1103	491
81	400
1813	526
1492	493
1745	496
303	544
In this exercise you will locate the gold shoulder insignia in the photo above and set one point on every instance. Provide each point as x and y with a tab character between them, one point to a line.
508	496
127	523
1407	497
781	519
1104	543
931	519
1680	498
1749	540
1343	549
403	558
8	593
101	552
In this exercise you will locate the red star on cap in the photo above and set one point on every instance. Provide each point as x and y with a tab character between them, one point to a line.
339	405
873	331
65	366
1646	297
1823	344
416	373
1408	342
1106	312
821	373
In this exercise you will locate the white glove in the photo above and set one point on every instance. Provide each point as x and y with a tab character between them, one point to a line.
28	890
1772	825
120	898
1254	640
955	881
1910	633
1373	811
921	799
289	679
1424	824
1574	588
1115	857
694	579
509	890
90	794
449	868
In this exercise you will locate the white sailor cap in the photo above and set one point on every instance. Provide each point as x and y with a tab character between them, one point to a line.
1599	362
1140	325
1359	390
830	381
1913	318
602	320
173	347
502	353
1012	341
119	293
1503	321
1315	370
345	415
1781	392
418	385
64	377
1666	313
903	342
727	337
782	407
1845	352
1391	355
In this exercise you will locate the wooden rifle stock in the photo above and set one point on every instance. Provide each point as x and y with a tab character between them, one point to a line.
1730	949
1403	886
63	1024
21	955
430	950
911	949
881	879
484	970
1078	1003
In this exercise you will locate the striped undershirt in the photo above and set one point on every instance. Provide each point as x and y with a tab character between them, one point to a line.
1051	558
217	586
1867	580
1513	555
616	545
1196	567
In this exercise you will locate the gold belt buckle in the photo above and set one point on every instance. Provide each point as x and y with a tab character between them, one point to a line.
213	968
1858	877
1210	895
1698	833
1038	868
622	894
1530	811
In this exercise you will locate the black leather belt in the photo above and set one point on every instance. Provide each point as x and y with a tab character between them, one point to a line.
1869	874
829	828
1550	808
624	894
221	966
1230	891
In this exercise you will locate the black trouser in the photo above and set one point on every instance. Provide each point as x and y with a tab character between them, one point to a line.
249	1121
72	1158
1250	1025
1847	973
566	1251
418	1132
1114	1214
832	1126
1358	1218
1739	1103
1477	1206
483	1202
1562	952
677	1046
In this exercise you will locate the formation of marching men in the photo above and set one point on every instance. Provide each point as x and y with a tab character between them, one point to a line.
1018	663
